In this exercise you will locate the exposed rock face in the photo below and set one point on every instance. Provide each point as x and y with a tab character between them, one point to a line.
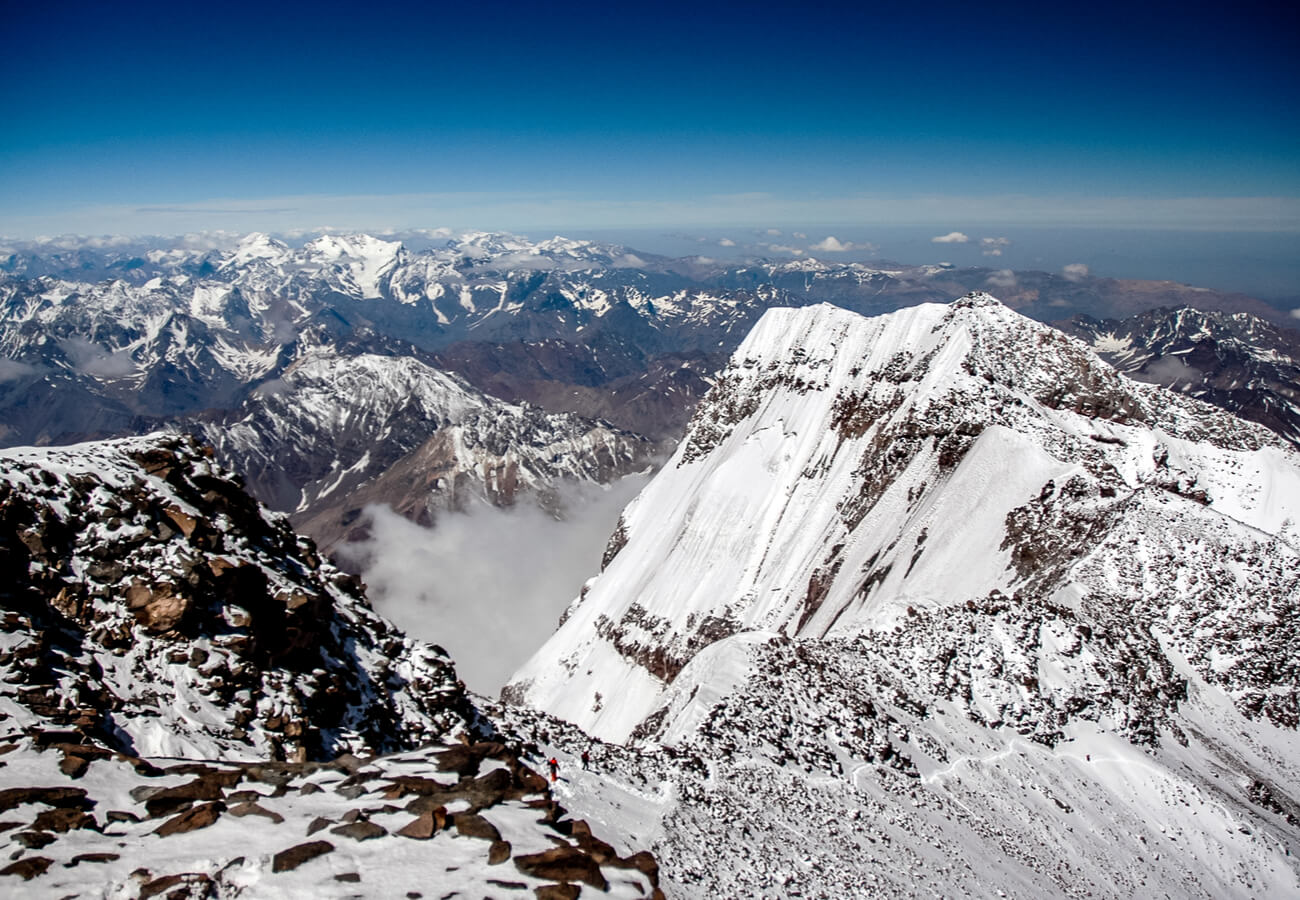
147	570
1236	361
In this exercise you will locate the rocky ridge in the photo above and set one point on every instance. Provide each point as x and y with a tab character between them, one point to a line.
194	704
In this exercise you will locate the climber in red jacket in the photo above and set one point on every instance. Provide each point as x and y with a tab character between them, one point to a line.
555	768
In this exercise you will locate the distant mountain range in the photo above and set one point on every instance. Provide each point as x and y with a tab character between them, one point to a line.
316	369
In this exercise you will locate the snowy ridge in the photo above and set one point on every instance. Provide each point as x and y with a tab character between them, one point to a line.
944	576
335	433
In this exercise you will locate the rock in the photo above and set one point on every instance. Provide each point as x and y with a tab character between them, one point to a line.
193	884
424	826
28	868
196	818
474	825
63	819
74	766
310	788
161	802
34	840
644	862
295	856
360	831
319	823
117	815
252	809
50	796
158	609
562	864
557	892
348	877
498	853
91	858
488	790
508	885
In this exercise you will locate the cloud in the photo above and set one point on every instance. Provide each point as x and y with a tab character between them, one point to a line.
273	387
782	248
1003	278
1295	313
799	235
1169	371
726	242
952	237
628	261
490	584
773	232
832	244
1075	272
993	246
12	370
91	359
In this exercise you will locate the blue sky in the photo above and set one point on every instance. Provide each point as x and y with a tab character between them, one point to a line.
150	118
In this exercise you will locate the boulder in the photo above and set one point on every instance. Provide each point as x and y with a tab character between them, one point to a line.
199	817
562	864
474	825
295	856
28	868
360	831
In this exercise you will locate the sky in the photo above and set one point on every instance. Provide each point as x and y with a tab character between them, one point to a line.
150	118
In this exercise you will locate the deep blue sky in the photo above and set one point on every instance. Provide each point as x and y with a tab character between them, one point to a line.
153	118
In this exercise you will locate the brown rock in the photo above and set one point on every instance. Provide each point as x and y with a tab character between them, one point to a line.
34	840
63	820
158	608
250	808
163	801
423	826
74	766
295	856
183	521
188	881
91	858
508	885
199	817
488	790
319	823
360	831
475	826
562	864
55	796
348	877
117	815
28	868
498	853
644	862
557	892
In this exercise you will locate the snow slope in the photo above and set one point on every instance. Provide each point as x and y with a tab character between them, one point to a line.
948	597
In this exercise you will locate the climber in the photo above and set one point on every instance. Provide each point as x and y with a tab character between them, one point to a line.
586	759
555	768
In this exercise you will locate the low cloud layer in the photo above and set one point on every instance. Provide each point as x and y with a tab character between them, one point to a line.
1004	279
952	237
993	246
1075	272
488	585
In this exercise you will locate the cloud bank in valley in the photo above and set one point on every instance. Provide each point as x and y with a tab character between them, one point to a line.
489	585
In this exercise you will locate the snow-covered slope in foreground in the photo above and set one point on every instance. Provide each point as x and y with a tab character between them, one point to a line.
979	609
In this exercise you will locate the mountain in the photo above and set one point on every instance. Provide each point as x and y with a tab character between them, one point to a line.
1236	361
337	432
194	704
946	594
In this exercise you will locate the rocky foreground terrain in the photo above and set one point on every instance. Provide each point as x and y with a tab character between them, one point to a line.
194	704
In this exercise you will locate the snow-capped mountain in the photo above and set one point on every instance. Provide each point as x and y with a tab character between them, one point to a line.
989	615
334	433
1236	361
191	704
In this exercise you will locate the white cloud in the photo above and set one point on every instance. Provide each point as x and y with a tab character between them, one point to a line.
993	246
832	244
1075	271
1169	371
629	261
800	235
91	359
1003	278
952	237
12	370
775	232
1295	313
726	242
448	584
782	248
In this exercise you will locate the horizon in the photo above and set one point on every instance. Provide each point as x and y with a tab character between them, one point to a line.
1119	127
